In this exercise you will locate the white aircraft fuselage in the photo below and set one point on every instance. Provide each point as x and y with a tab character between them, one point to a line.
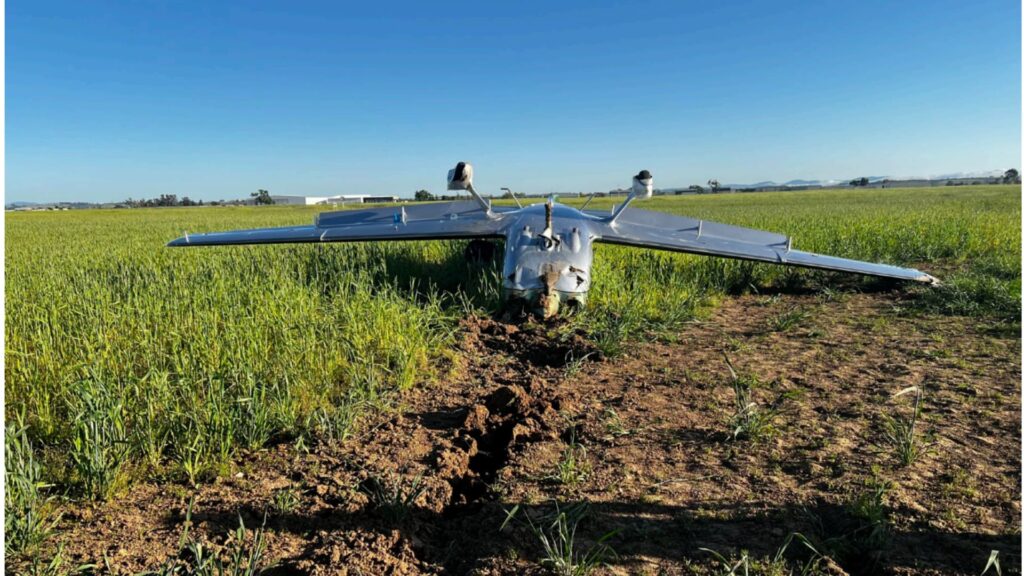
548	256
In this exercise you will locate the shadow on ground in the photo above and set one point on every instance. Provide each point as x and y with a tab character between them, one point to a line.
467	537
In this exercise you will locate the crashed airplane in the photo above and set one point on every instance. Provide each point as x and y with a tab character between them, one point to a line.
549	246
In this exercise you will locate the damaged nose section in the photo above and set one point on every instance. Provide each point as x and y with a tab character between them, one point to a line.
552	299
548	302
547	268
559	303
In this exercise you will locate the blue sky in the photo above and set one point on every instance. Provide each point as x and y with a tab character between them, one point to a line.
107	100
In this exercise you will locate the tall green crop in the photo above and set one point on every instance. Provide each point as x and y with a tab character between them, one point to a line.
127	357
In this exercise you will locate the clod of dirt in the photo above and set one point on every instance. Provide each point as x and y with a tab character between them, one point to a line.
489	436
360	552
507	399
533	345
476	420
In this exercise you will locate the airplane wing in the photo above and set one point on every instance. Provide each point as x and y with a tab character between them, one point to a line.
417	222
650	229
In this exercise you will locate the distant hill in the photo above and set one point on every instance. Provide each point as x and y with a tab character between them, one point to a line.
872	179
18	205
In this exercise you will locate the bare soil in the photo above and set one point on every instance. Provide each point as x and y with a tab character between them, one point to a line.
657	462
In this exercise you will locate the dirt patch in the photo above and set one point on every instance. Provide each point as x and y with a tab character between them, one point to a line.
426	489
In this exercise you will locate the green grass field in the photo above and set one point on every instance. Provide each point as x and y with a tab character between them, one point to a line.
126	359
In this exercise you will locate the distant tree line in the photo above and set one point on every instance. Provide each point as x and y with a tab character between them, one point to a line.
161	201
426	196
259	197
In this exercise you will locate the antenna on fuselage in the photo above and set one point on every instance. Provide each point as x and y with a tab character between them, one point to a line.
461	178
549	224
643	188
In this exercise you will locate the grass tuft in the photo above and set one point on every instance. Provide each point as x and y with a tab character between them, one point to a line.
241	556
976	294
99	447
393	498
285	500
573	467
26	507
744	564
900	430
749	421
556	534
788	319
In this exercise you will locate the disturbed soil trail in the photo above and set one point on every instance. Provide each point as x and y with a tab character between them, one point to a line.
531	416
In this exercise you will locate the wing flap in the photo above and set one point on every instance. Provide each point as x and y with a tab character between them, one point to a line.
255	236
686	227
812	260
420	222
681	234
432	212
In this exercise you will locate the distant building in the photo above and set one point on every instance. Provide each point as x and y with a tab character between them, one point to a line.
972	181
909	183
337	199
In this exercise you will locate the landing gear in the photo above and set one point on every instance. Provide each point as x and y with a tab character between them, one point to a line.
480	252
